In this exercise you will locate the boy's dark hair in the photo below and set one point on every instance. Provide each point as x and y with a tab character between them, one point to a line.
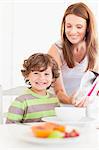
40	62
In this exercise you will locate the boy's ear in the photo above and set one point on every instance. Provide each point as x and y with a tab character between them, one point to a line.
53	82
27	81
52	85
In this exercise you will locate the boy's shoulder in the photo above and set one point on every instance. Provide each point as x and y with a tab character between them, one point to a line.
24	97
27	94
50	93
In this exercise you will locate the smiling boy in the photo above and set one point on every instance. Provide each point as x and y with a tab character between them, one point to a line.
40	71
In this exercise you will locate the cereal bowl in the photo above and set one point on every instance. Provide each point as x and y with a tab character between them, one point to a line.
70	113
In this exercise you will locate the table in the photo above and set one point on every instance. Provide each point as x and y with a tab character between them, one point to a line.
10	137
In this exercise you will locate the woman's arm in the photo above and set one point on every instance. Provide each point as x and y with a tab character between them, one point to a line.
59	86
60	92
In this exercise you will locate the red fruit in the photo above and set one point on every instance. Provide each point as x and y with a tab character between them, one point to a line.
74	133
67	135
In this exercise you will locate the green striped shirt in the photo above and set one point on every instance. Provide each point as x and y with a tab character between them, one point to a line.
31	107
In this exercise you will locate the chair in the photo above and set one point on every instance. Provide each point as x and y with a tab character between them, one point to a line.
9	92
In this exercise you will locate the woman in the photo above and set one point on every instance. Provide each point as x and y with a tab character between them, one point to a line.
76	52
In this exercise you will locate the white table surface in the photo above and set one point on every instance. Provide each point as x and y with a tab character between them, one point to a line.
10	137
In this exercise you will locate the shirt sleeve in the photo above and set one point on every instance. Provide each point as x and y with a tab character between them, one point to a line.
16	112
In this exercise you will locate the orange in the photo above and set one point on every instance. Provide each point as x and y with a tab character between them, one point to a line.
41	131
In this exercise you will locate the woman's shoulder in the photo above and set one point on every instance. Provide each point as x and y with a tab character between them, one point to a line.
56	52
57	48
58	44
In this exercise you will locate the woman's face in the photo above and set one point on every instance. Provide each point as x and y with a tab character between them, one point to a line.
75	28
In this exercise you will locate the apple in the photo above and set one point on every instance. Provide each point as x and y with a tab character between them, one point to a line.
56	134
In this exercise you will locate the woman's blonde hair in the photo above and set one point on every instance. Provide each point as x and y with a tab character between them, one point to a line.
81	10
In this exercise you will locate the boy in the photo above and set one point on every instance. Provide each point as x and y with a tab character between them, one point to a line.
40	71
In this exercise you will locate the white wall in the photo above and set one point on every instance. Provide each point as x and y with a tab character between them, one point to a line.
36	28
29	26
6	42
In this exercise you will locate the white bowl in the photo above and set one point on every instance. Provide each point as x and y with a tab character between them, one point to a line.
70	113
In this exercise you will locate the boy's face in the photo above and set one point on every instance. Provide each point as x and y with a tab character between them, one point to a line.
41	80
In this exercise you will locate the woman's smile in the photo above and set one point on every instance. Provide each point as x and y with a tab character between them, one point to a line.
75	28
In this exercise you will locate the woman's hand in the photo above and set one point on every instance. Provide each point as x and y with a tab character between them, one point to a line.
81	103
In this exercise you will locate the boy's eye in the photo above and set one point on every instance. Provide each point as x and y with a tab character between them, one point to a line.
35	72
46	74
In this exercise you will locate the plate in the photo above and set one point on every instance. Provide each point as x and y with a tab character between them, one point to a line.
28	136
83	121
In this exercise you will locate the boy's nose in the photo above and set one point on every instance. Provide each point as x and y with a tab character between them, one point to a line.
42	77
